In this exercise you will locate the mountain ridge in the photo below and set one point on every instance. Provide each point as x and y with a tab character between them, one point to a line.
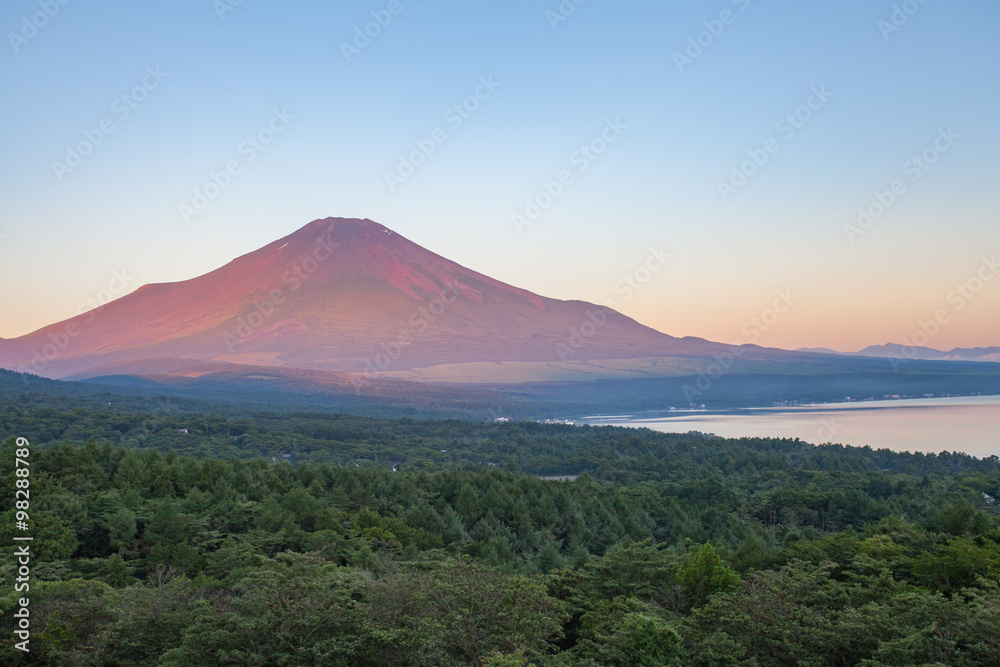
344	295
900	351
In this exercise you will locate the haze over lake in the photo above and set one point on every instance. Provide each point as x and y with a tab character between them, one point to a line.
961	424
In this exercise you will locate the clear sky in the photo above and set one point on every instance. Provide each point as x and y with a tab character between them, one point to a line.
667	120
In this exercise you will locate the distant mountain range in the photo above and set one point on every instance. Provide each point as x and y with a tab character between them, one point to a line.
897	351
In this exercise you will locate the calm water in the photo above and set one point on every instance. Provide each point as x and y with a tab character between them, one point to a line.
968	424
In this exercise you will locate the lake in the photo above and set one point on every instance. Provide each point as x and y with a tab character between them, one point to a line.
960	424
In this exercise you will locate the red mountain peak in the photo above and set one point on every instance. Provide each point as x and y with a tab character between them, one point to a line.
326	297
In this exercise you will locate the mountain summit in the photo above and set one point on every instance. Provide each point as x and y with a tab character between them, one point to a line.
338	295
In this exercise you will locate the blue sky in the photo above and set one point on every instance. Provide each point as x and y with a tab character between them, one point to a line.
556	86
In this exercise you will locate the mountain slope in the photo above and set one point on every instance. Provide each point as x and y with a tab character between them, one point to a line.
340	295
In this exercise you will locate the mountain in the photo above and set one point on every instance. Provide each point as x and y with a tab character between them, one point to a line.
346	295
898	351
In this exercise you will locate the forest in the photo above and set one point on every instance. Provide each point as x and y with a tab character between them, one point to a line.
178	537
